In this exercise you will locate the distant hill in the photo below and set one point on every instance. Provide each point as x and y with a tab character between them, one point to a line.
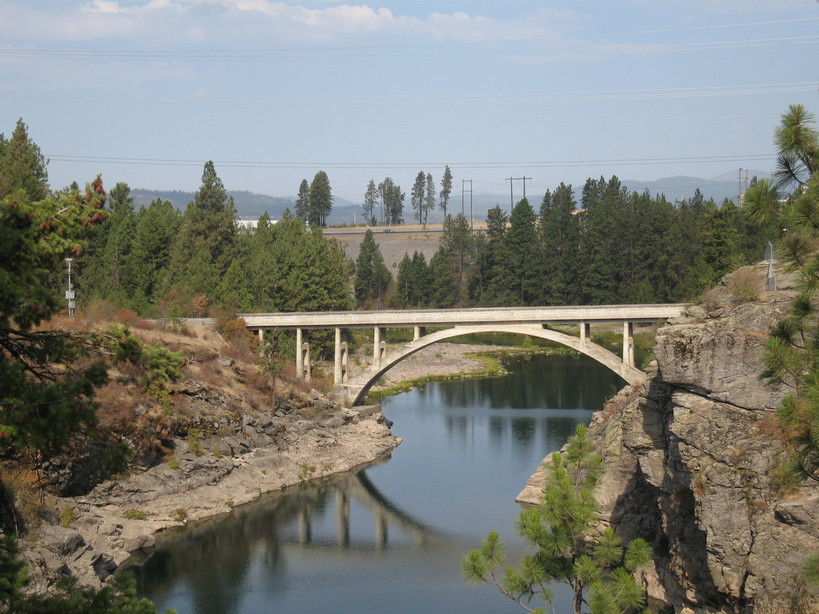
248	204
252	204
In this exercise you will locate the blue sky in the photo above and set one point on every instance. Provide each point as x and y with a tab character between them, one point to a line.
145	91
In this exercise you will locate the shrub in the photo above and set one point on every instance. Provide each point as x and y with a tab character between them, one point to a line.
194	445
180	515
745	285
134	514
67	515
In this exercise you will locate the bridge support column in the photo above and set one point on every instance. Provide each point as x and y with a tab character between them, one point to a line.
305	526
340	360
418	332
342	518
260	332
585	332
381	529
379	347
628	344
302	357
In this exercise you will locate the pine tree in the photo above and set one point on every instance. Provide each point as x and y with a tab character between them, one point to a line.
321	200
489	283
116	275
567	546
208	236
370	202
414	281
559	235
372	278
429	197
449	265
47	395
303	201
446	189
522	252
791	357
417	196
392	199
22	166
156	229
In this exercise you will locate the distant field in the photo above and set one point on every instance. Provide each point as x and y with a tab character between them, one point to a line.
393	241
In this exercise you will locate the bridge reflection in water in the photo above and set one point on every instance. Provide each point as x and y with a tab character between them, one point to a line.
300	518
384	513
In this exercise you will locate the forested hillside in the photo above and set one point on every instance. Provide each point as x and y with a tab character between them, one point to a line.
614	246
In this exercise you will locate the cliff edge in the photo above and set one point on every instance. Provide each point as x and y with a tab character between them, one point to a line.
692	459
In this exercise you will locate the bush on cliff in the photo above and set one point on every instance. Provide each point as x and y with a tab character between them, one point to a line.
568	549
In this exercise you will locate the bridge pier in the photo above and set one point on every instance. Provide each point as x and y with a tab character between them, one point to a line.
628	344
379	347
302	357
341	360
342	518
585	333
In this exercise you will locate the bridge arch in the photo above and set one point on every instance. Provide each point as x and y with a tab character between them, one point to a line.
359	386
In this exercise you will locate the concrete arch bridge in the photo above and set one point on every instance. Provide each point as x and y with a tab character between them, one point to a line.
532	321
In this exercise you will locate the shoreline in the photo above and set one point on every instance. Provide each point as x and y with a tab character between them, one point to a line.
118	518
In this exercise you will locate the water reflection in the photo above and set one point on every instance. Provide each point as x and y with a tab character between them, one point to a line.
390	537
212	565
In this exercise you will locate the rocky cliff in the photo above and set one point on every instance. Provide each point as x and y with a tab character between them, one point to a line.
692	459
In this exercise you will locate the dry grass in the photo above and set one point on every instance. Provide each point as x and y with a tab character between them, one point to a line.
745	285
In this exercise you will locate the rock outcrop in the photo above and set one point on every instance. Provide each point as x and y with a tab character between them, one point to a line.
692	459
248	459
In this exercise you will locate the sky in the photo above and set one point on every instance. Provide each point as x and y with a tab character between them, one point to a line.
145	91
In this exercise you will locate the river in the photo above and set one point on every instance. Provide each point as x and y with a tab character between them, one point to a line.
390	538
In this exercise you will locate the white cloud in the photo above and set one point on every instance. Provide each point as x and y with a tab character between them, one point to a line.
233	21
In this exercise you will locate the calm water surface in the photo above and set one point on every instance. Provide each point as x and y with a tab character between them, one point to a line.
390	538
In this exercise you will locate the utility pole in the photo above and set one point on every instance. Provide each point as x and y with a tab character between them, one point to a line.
741	184
463	182
511	191
69	294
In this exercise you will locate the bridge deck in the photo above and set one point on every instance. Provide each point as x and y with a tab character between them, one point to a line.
453	317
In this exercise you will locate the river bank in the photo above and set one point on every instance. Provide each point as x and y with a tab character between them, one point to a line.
240	459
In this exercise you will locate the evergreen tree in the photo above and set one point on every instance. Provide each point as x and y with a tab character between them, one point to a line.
22	166
321	200
795	139
372	278
647	252
489	279
47	393
414	281
206	242
522	250
603	241
370	202
392	199
568	547
157	227
449	265
115	273
417	196
303	201
429	197
791	356
446	188
293	268
559	237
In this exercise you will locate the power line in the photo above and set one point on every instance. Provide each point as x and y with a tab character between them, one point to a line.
412	165
359	52
448	99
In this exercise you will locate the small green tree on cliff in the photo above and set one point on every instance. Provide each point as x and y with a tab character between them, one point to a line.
567	546
792	351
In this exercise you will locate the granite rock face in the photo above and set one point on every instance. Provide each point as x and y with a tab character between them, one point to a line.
691	463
